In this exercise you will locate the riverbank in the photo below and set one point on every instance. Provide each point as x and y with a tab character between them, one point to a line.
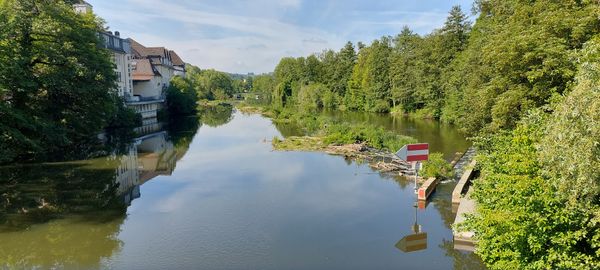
360	142
381	160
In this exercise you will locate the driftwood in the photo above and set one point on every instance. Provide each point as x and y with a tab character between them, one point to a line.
379	160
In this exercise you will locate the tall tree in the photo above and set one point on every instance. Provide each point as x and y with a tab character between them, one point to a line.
57	83
403	71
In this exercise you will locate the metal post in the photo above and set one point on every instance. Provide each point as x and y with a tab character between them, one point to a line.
416	176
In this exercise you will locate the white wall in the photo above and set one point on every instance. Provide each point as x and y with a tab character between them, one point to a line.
123	70
150	88
167	74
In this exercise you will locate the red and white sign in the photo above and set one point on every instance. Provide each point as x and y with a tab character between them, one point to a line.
414	152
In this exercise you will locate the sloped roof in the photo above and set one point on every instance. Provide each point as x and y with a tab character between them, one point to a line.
144	71
138	50
177	61
157	51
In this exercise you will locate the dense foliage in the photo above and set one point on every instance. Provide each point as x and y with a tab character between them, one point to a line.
437	167
483	77
181	97
216	85
56	82
340	133
539	192
524	78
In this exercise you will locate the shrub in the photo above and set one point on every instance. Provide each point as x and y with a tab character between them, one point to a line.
437	167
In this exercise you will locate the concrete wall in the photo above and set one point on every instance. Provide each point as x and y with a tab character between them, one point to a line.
167	73
179	72
146	89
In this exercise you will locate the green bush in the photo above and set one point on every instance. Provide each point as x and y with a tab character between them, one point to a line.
181	97
437	167
375	137
125	117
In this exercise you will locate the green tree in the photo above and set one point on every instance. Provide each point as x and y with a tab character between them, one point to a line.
525	49
211	84
403	71
538	197
181	97
57	86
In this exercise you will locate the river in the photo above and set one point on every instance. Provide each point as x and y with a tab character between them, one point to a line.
212	194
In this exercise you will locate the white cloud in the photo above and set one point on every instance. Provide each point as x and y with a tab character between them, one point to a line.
251	36
261	41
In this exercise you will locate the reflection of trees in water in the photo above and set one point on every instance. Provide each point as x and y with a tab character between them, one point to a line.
462	259
38	193
218	115
182	132
68	215
66	243
289	129
442	201
59	215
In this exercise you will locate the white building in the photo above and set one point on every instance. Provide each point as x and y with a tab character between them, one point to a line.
153	69
143	73
121	56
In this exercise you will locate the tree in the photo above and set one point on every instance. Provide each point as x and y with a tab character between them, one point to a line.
525	48
57	85
181	97
211	84
346	59
539	191
403	72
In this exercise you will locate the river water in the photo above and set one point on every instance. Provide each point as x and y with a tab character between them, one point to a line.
213	195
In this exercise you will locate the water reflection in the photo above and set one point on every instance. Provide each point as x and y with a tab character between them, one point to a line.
417	240
231	203
441	137
218	115
68	215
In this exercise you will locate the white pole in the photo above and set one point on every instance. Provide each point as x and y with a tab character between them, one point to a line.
416	176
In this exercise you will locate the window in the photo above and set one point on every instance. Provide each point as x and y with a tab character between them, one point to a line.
118	76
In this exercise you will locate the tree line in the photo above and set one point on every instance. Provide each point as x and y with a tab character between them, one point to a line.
524	81
486	75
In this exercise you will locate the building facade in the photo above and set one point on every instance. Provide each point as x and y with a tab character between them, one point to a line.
121	56
143	73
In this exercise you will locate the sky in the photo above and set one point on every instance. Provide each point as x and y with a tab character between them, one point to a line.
252	36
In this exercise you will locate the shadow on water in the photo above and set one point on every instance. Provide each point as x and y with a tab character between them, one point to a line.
68	214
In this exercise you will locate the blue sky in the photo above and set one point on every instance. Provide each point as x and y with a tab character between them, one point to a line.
251	36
